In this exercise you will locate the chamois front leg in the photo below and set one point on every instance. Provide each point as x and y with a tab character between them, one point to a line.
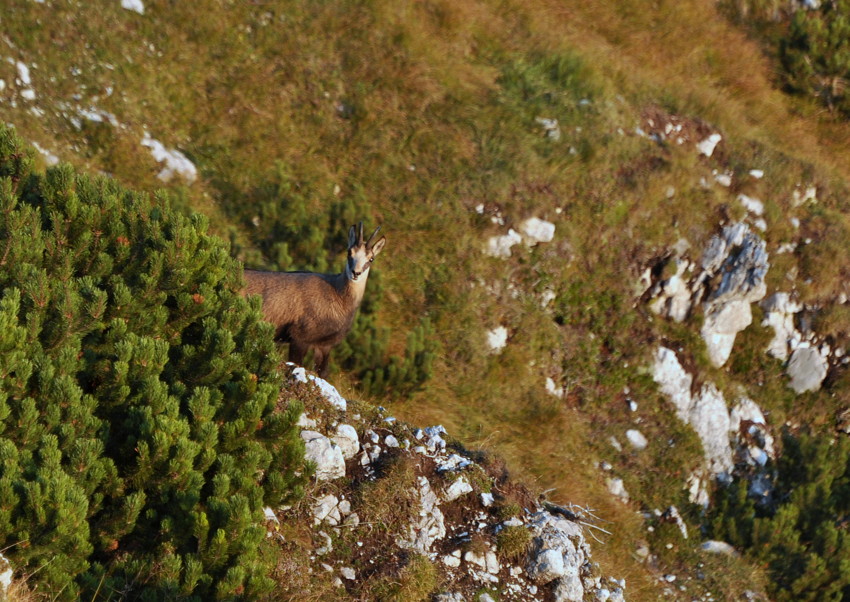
321	355
297	352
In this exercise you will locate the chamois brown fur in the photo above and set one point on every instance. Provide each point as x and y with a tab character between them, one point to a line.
315	311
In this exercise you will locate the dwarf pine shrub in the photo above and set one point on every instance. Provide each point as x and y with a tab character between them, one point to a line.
800	535
815	54
140	433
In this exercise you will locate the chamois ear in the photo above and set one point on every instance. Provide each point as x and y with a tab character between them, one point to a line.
352	237
378	246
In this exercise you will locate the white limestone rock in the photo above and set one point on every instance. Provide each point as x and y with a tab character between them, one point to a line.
709	417
430	525
347	440
547	566
175	163
550	127
636	439
749	429
329	392
751	204
500	246
706	147
740	259
449	597
718	547
706	412
617	488
6	573
330	463
779	310
326	509
807	369
558	553
497	338
536	230
458	488
672	296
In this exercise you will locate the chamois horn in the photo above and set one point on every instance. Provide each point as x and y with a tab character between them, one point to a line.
369	242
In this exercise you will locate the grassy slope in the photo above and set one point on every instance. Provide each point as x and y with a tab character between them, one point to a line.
426	109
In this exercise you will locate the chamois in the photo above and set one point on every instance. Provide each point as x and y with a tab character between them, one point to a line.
316	311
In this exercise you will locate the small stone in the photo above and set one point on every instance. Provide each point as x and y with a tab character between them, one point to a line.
487	499
328	546
347	440
5	575
390	441
616	488
451	561
636	439
348	573
326	509
306	422
718	547
492	562
460	487
476	559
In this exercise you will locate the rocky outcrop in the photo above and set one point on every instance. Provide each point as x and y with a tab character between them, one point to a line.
728	437
730	277
734	268
453	510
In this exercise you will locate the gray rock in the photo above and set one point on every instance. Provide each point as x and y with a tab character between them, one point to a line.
347	440
739	258
348	573
672	297
6	573
458	488
430	525
305	422
709	417
449	597
706	412
718	547
807	369
326	509
330	463
779	312
569	589
546	566
558	550
636	439
616	488
327	547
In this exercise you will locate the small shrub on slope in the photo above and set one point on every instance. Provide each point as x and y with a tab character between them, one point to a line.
801	536
139	430
815	54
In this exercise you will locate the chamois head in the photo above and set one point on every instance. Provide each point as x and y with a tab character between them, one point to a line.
361	254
